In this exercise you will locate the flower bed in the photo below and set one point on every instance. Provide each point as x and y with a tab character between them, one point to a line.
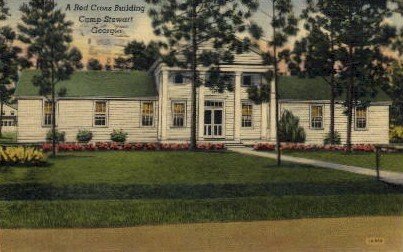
21	156
313	147
112	146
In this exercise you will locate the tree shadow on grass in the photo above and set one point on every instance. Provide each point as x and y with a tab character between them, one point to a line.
35	191
69	157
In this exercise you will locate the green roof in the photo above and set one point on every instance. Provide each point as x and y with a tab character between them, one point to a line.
140	84
95	84
313	89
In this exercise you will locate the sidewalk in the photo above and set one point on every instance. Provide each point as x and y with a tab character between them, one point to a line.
386	176
333	234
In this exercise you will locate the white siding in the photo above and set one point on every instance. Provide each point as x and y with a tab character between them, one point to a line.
74	115
376	132
29	127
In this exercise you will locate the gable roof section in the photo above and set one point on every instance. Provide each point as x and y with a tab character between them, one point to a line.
313	89
95	84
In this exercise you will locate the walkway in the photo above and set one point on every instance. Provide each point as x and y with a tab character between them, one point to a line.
386	176
333	234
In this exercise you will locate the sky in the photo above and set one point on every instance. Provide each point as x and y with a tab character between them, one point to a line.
107	46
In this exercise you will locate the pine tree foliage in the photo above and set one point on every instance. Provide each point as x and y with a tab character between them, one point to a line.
363	34
48	36
142	56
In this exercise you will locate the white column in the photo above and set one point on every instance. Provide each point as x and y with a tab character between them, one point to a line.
201	112
273	126
264	121
237	107
164	104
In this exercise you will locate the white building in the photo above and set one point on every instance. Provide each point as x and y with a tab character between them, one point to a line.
157	107
9	119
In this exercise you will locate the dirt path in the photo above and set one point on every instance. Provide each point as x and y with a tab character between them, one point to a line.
362	234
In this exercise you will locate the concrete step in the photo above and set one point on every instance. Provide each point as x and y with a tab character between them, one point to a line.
235	145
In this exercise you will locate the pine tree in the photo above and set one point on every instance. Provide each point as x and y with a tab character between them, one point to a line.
76	57
142	56
362	32
187	23
48	35
318	50
9	61
283	24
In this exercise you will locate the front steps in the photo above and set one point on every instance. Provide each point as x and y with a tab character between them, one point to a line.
235	145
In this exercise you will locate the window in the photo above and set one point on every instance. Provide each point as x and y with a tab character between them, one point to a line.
47	113
247	80
12	113
147	114
253	79
247	109
178	114
361	118
178	78
100	115
317	117
214	104
226	78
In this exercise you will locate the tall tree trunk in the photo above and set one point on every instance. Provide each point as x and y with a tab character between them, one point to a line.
333	93
350	100
278	144
1	114
193	137
53	109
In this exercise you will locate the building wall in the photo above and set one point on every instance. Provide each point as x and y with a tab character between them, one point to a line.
74	115
9	117
377	131
182	93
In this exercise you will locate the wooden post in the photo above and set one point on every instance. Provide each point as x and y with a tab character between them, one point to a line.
378	161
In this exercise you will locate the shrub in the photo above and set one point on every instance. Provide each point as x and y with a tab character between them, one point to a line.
118	136
84	136
336	139
113	146
289	129
396	134
60	136
21	155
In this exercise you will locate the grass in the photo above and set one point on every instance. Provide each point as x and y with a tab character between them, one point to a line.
115	189
389	161
8	137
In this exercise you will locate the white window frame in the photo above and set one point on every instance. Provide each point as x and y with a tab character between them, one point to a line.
106	114
356	119
311	117
173	114
243	122
152	116
45	125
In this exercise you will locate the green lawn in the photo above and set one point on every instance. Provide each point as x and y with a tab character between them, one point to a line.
114	189
389	161
8	137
